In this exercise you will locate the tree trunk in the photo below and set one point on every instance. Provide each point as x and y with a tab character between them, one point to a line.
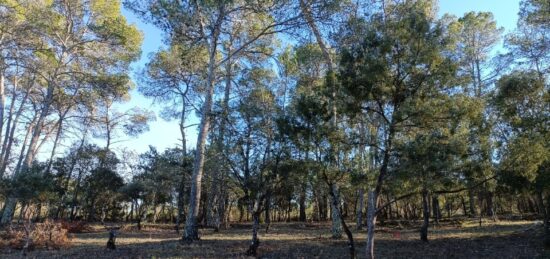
11	202
359	217
337	212
56	141
334	209
191	224
302	203
75	196
181	188
491	206
267	211
472	203
426	216
464	209
547	224
2	101
252	249
371	223
31	150
217	201
545	213
9	129
436	211
9	139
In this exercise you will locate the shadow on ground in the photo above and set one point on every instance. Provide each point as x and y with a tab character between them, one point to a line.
309	241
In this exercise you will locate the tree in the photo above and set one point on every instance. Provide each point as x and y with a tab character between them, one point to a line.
521	101
88	42
180	20
400	62
101	189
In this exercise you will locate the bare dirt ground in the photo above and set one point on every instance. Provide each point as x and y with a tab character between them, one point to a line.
457	239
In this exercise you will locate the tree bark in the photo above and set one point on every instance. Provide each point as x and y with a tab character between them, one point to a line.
2	101
359	217
335	212
371	223
252	249
426	216
302	203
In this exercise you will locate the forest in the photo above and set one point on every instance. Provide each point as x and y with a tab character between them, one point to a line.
308	129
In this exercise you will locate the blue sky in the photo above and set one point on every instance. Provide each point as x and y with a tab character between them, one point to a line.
164	134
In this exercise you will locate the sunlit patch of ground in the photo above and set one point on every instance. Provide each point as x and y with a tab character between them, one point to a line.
451	239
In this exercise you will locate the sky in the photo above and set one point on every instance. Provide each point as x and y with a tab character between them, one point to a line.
163	134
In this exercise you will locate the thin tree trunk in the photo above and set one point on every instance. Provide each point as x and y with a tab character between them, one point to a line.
337	212
547	224
191	224
181	189
464	209
252	249
56	141
9	139
75	196
11	202
69	175
302	203
359	217
267	211
8	128
472	203
426	216
491	206
436	211
371	223
2	101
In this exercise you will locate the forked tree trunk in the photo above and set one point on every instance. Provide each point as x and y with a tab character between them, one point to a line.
338	213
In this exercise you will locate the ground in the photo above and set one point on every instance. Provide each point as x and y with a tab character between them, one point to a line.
451	239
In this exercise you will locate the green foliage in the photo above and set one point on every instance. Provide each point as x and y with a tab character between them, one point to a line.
522	100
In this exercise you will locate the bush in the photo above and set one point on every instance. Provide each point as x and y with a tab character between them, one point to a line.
49	235
75	226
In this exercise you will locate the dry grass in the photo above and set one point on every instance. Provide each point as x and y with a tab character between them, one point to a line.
47	235
464	239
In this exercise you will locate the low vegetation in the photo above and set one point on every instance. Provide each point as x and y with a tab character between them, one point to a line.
459	238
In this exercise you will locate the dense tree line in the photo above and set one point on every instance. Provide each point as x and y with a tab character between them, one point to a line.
309	110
